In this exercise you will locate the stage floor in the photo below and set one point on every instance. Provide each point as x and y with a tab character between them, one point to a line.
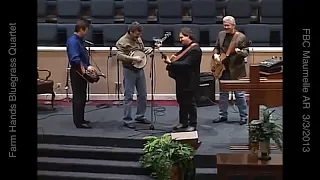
107	122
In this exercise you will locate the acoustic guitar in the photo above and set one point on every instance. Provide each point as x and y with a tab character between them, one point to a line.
177	57
217	66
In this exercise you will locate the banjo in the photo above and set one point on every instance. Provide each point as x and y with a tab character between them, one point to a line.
148	51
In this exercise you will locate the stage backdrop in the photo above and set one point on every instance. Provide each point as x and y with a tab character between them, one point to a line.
55	60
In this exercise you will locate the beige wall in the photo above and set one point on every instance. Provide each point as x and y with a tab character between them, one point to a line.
56	62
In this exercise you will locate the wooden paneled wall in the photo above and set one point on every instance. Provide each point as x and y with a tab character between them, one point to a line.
56	62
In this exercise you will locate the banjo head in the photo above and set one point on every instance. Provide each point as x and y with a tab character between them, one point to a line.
141	54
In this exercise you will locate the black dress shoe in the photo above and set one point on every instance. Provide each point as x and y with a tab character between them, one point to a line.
83	126
143	120
87	122
219	120
191	128
243	121
129	125
180	126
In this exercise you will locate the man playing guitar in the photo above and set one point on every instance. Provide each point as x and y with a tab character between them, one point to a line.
228	63
184	68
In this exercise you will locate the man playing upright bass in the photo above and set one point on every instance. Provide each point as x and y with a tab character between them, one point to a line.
228	64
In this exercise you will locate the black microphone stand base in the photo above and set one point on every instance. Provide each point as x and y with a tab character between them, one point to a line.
67	99
152	128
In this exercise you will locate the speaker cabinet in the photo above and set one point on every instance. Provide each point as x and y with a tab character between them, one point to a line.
205	95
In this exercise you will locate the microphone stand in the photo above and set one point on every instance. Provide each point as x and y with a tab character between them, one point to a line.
106	105
118	102
66	87
88	88
151	127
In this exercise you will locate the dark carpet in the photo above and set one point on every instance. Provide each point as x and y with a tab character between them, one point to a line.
107	122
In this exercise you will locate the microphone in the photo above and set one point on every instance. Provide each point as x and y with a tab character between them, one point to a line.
88	42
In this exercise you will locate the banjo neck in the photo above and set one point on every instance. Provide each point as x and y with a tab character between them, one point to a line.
144	52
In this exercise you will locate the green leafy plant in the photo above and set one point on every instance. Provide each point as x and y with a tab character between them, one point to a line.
161	153
266	128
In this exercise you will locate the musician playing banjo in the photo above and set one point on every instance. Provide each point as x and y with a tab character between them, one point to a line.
228	63
133	77
79	61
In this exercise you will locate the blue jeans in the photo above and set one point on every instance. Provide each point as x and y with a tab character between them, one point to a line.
132	80
224	100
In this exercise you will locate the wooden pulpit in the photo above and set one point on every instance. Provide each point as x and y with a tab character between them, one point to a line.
191	139
262	91
248	166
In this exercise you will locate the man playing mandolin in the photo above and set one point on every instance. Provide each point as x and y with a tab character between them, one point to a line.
228	63
133	77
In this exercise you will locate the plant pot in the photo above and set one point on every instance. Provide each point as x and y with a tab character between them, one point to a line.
175	172
264	151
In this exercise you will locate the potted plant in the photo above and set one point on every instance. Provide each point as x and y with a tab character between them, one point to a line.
263	130
166	158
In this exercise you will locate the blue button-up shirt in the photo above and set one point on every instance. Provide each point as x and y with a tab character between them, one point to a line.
77	52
